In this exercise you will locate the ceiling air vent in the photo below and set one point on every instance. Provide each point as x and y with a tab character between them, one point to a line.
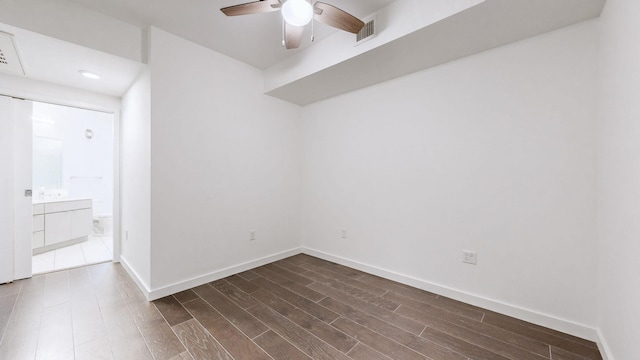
368	32
9	58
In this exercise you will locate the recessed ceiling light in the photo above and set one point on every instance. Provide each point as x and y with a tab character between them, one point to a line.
90	75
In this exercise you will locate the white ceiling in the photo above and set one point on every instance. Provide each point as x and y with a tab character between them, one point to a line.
252	39
256	39
55	61
481	27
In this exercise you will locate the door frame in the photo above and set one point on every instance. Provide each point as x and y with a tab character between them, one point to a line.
59	95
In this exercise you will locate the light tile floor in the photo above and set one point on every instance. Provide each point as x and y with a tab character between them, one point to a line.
95	250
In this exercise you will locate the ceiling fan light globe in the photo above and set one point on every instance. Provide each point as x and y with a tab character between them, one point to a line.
297	12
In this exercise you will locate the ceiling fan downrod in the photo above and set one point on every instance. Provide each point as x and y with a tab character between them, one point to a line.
283	42
313	38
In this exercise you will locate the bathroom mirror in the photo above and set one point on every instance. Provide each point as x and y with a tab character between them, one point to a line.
47	163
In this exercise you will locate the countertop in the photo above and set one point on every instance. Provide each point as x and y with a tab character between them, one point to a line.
53	200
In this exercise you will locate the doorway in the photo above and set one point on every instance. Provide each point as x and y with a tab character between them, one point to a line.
73	187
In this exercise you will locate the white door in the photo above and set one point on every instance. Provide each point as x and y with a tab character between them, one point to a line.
15	179
6	190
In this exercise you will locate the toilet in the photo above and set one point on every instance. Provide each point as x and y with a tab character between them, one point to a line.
103	225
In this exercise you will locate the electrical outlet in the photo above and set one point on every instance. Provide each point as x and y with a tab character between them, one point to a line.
343	233
470	257
252	235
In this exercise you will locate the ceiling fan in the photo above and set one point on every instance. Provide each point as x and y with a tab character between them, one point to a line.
298	13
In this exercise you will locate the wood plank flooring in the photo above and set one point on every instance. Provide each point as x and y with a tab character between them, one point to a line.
297	308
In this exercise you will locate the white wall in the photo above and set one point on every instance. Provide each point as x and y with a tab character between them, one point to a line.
225	159
493	153
135	180
619	178
88	171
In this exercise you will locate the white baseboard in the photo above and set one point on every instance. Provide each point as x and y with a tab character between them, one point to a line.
144	287
563	325
603	346
518	312
217	275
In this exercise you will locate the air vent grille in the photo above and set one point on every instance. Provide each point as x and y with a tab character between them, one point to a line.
3	59
9	58
368	31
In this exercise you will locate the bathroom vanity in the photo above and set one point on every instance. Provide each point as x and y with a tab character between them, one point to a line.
61	222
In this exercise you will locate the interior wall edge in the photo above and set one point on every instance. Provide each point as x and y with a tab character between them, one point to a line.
177	287
116	209
532	316
142	285
603	346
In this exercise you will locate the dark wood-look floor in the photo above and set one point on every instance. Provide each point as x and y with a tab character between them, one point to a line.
297	308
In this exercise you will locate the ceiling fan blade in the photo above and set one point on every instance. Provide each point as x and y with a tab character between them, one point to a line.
292	36
340	19
255	7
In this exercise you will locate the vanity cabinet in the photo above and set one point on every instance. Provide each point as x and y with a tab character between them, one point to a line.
38	226
81	223
57	227
60	223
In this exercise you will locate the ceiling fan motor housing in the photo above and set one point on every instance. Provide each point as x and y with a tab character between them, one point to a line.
297	14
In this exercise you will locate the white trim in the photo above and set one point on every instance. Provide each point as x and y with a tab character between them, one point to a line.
205	278
532	316
136	278
603	346
40	91
562	325
116	204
